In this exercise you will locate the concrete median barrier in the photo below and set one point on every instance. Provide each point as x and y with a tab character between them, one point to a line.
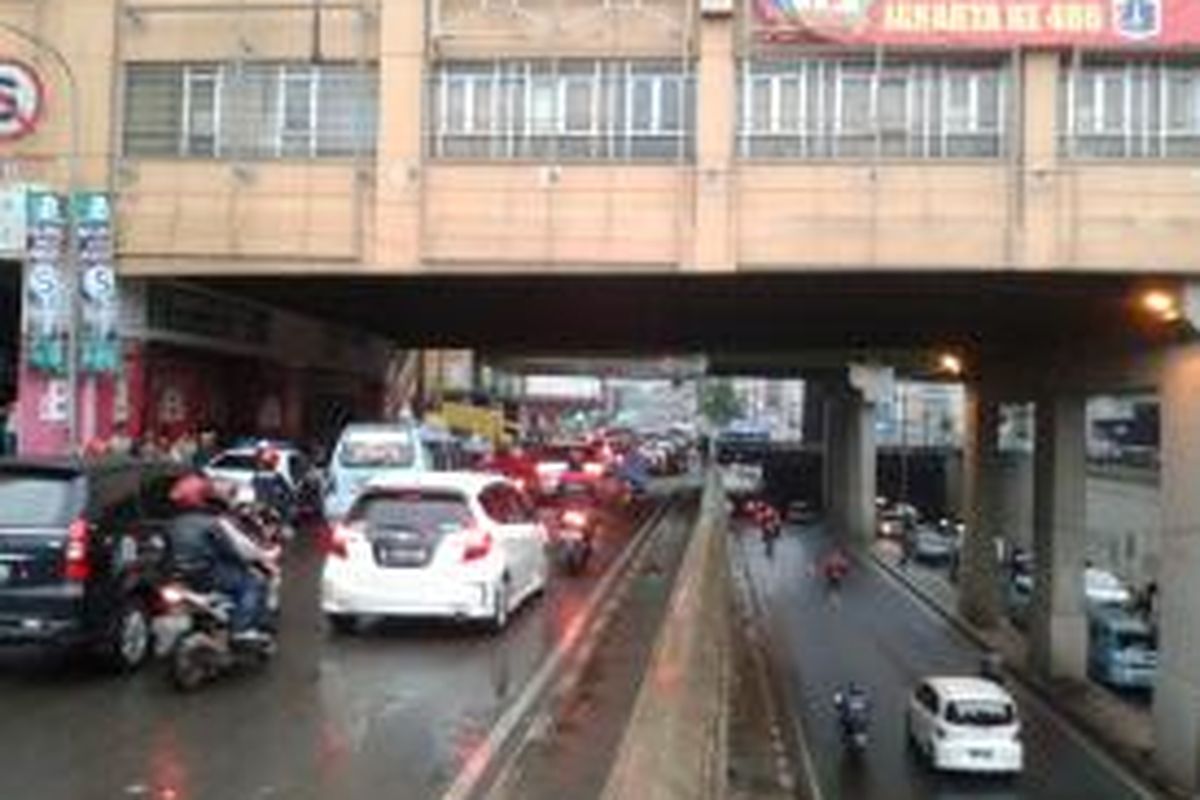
674	747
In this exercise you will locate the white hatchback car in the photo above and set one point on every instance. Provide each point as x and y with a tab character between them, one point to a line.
966	725
440	544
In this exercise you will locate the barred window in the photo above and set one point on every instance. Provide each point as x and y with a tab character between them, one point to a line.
573	109
249	110
862	108
1130	108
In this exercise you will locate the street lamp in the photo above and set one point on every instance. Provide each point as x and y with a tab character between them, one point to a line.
1162	304
72	282
950	364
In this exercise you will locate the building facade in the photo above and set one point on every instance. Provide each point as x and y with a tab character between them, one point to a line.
418	137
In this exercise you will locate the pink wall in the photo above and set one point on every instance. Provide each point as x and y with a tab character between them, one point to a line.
42	409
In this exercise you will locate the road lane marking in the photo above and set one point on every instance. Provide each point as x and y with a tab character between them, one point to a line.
475	769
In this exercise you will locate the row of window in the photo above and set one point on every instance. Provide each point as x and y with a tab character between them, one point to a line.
572	109
252	111
820	108
823	107
1131	110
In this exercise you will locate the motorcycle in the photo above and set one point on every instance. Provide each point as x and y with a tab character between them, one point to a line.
853	719
192	625
574	536
195	634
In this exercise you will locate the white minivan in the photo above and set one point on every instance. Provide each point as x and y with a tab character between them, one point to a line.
367	452
966	725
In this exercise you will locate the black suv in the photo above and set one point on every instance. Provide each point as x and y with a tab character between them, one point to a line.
81	551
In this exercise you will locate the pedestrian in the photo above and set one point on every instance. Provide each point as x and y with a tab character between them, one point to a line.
1147	602
8	430
120	443
205	449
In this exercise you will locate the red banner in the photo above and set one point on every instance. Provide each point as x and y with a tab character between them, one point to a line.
994	24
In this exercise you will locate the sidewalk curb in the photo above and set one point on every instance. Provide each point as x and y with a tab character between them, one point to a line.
1045	692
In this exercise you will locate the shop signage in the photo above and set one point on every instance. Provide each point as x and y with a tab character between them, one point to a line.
982	24
21	100
91	214
45	283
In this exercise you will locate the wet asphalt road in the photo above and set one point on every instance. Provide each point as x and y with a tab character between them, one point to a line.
391	712
877	635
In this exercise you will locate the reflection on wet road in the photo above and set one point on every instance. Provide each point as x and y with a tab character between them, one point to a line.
874	634
391	712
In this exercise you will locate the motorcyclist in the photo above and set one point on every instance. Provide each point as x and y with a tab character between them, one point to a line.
853	706
835	567
209	550
270	488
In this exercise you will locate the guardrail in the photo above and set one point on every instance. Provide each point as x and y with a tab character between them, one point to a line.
674	747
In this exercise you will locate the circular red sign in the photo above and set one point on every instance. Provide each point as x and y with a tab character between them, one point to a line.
22	98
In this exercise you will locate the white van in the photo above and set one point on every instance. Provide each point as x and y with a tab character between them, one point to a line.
367	452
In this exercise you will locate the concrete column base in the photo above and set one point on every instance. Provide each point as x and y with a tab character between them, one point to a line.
1177	727
1059	647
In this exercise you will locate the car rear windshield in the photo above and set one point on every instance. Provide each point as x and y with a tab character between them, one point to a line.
383	449
238	462
432	513
35	500
1136	640
980	713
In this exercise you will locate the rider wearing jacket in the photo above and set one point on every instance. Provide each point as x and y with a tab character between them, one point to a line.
853	706
210	551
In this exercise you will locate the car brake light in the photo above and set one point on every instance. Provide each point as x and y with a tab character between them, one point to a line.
477	545
339	539
576	519
76	566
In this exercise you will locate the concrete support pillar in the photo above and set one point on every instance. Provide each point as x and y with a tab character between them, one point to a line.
851	448
979	595
1177	692
713	242
1035	197
828	495
392	235
1058	626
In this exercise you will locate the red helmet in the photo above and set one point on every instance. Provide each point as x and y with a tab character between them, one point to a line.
267	457
192	491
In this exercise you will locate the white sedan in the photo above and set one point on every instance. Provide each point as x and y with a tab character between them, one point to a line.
237	467
966	725
465	546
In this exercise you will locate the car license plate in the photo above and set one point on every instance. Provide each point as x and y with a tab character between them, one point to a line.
980	754
403	556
